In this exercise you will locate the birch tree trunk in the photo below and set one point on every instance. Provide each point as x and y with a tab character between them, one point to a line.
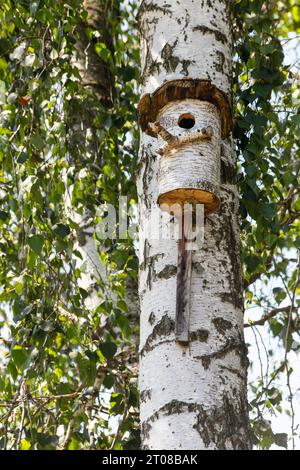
194	396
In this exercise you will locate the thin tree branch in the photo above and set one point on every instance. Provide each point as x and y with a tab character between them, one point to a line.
286	339
270	315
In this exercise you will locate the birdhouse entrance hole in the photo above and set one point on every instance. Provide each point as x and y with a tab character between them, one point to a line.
186	121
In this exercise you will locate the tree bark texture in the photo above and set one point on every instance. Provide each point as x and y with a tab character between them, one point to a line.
192	396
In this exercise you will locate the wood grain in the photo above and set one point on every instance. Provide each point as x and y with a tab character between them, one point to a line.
171	200
184	272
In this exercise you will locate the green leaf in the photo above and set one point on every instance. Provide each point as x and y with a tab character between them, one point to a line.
133	396
23	157
88	371
103	51
267	441
37	141
19	356
295	119
251	170
18	283
12	370
25	445
116	403
47	325
61	230
74	444
122	305
262	90
3	64
268	210
109	381
3	215
276	327
128	73
252	262
46	440
36	243
124	324
279	294
108	349
280	439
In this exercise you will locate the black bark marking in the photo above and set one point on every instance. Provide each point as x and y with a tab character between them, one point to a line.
170	61
223	427
151	318
199	335
222	325
173	407
165	327
197	267
215	32
227	297
145	167
145	395
149	259
148	7
226	427
150	272
185	66
219	65
231	344
167	272
151	66
228	172
234	371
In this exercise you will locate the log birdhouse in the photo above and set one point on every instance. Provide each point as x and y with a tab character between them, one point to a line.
189	118
189	163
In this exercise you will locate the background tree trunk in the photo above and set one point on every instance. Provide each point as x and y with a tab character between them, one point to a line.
97	80
192	397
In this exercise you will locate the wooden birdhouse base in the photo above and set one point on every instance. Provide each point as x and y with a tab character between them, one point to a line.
181	196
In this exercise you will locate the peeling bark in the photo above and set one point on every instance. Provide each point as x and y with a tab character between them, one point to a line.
192	397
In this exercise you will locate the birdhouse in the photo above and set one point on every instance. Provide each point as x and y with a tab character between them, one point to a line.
189	118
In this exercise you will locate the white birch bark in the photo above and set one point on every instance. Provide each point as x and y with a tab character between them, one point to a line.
192	397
